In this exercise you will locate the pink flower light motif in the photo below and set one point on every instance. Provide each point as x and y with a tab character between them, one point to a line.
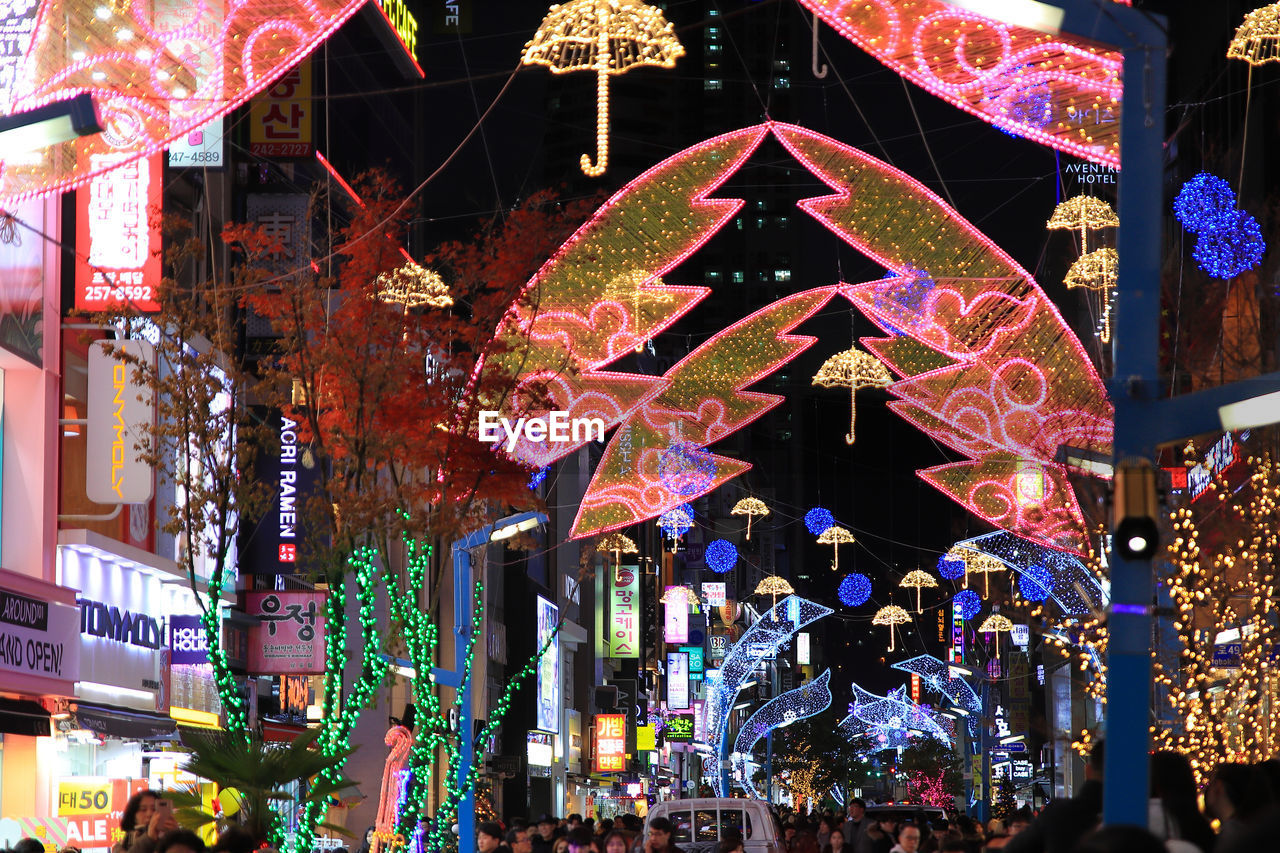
987	68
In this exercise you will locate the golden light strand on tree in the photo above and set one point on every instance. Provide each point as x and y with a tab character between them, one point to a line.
1223	712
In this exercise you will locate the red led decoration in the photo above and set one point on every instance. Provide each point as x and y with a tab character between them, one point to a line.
1058	90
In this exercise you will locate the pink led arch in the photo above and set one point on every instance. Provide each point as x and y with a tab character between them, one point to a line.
1058	90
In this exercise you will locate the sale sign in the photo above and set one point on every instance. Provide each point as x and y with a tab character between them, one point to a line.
611	743
91	807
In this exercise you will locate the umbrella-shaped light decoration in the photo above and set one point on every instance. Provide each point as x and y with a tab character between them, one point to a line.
774	586
891	615
995	624
984	564
679	594
413	286
1083	212
676	521
607	37
919	580
618	544
852	369
751	508
835	536
1257	41
960	554
1097	271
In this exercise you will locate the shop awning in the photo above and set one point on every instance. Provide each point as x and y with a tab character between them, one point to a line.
126	725
24	717
278	731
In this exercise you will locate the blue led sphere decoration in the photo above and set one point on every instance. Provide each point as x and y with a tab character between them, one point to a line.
1230	250
676	521
818	520
967	603
854	590
1204	203
1035	583
721	555
951	568
686	469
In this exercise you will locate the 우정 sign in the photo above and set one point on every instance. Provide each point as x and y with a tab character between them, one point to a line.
290	638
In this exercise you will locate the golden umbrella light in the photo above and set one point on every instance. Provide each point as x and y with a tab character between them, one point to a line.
679	594
608	37
835	536
618	544
983	564
892	615
750	507
775	586
413	286
995	624
1097	270
852	369
1085	213
919	580
1257	42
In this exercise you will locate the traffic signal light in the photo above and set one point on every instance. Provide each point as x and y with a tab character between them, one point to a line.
1135	534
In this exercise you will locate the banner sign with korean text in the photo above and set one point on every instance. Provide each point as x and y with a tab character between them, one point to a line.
118	234
290	638
280	117
715	593
676	623
624	612
611	743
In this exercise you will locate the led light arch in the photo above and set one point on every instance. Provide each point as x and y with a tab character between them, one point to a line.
780	711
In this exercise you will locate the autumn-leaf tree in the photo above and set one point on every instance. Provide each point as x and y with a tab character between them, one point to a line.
387	376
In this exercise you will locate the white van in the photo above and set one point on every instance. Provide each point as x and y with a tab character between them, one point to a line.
699	824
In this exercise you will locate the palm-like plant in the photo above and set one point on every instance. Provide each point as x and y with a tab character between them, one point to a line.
259	773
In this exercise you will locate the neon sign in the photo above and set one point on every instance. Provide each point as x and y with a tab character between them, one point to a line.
403	22
118	230
611	743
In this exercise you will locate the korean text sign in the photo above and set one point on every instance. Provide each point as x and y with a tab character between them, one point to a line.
290	638
280	118
624	613
118	235
676	622
611	743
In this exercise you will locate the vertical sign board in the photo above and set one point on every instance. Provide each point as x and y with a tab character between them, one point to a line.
611	743
677	681
270	545
624	613
121	412
118	234
290	639
548	668
280	117
699	722
915	687
957	636
804	655
676	621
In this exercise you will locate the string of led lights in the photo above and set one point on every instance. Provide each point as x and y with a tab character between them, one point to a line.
809	699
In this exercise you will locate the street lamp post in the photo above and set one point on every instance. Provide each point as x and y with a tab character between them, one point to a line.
459	677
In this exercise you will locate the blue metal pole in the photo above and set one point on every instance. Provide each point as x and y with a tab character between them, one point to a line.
461	634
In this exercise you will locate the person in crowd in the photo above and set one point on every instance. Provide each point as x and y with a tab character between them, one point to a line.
560	844
28	845
489	837
731	843
520	839
805	842
180	841
788	837
1120	839
573	822
824	831
579	839
1173	813
855	825
545	835
142	824
882	835
659	837
908	839
1234	797
617	841
236	839
1065	821
835	843
953	845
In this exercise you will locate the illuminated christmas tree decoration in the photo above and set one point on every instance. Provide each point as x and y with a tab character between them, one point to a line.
1057	90
852	369
835	536
1072	585
918	580
1232	248
686	469
967	603
721	555
809	699
751	508
1035	583
1086	213
759	642
411	286
817	520
854	590
891	615
676	521
1204	203
607	37
951	567
1257	40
